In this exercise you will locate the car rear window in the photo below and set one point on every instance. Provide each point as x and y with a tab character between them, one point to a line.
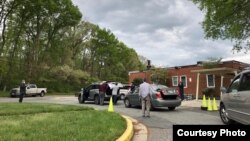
125	87
157	87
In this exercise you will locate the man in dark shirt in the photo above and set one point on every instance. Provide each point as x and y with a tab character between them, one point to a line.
181	90
102	91
22	91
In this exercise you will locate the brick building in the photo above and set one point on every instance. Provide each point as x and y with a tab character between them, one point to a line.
196	77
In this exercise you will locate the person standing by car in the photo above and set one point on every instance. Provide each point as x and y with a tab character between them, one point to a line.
115	92
181	90
22	91
102	91
144	93
132	87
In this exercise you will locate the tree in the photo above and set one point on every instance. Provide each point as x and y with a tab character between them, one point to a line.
110	59
6	9
137	81
159	76
211	63
227	19
31	35
44	42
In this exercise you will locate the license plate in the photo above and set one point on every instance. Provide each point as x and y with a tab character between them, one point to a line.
170	91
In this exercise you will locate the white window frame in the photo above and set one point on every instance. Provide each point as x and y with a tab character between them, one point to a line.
213	80
185	83
173	80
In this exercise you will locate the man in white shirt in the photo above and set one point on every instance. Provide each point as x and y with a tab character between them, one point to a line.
144	93
115	90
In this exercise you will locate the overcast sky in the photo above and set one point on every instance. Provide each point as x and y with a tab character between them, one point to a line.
167	32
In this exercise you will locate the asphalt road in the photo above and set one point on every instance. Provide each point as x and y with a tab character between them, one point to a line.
160	123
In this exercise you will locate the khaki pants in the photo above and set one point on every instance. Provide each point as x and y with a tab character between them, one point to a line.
146	105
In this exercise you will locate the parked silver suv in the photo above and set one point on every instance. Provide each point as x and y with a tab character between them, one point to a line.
91	93
235	101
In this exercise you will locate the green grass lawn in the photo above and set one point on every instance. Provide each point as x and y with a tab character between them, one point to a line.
4	94
54	122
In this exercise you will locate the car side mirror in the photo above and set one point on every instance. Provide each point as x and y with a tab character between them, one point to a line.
223	90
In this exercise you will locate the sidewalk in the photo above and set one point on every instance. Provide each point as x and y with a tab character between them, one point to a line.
137	131
194	103
191	103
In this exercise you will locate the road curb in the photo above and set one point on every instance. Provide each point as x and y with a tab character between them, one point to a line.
140	131
129	132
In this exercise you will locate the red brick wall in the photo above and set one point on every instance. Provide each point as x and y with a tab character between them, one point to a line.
186	71
132	76
142	75
192	77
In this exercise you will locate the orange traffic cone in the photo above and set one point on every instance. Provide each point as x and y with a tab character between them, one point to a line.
204	103
111	108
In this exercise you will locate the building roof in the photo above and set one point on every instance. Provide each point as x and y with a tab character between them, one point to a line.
199	64
218	71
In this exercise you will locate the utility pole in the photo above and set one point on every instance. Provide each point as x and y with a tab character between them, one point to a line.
149	64
147	71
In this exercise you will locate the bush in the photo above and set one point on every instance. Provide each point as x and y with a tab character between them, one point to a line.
208	92
137	81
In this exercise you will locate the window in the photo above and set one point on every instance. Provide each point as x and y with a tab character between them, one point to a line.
175	80
32	86
245	85
88	88
210	80
95	87
235	85
184	81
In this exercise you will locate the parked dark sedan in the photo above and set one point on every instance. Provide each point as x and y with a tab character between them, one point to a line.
161	96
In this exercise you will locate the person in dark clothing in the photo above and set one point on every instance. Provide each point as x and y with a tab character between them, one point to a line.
132	87
22	91
181	90
102	91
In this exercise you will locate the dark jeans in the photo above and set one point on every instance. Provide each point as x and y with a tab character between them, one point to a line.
182	96
114	98
21	97
102	95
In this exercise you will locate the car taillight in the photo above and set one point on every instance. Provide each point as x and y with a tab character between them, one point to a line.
158	95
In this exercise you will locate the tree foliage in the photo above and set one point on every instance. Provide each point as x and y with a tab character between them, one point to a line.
211	63
47	43
227	19
137	81
159	76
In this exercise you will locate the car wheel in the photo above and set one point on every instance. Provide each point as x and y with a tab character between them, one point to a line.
42	94
81	99
97	100
127	103
122	96
224	115
171	108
